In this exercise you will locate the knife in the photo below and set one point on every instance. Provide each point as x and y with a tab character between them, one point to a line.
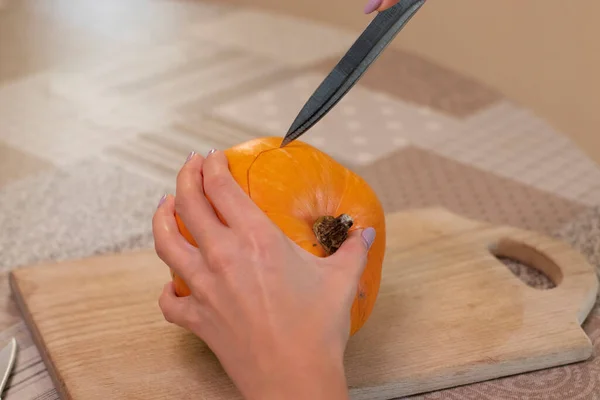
365	50
8	356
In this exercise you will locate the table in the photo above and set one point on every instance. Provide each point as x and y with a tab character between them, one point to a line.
91	139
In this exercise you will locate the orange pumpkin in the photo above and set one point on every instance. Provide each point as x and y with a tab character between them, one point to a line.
309	196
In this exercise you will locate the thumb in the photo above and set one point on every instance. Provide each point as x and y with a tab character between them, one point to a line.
353	252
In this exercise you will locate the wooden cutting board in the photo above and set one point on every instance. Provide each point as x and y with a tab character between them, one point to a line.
449	313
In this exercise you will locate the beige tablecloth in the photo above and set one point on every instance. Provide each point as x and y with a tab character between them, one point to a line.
88	149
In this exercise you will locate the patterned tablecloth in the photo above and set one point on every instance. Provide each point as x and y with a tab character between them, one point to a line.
88	150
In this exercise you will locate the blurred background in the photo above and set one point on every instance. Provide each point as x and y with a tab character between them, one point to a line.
543	54
487	108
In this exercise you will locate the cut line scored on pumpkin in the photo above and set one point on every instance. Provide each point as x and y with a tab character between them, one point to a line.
286	151
250	168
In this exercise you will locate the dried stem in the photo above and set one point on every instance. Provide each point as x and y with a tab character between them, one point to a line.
331	232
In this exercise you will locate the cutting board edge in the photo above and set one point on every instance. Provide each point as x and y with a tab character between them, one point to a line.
542	363
36	336
25	269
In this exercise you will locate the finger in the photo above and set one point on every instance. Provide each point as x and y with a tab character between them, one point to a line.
229	199
372	5
191	204
385	4
176	310
170	245
378	5
353	252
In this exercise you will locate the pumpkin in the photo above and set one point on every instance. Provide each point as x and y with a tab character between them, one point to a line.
315	201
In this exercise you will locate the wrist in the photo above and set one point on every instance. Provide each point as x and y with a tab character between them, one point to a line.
315	378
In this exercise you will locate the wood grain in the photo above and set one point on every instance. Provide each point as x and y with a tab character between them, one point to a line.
449	313
9	314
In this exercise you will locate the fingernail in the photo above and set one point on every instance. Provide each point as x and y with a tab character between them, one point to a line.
211	151
368	236
162	200
189	157
372	5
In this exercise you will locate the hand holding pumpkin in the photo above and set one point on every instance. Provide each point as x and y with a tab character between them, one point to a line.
277	317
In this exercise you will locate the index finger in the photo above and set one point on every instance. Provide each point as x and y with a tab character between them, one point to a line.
228	197
191	204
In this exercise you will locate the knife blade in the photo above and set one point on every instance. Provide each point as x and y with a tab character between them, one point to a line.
8	356
365	50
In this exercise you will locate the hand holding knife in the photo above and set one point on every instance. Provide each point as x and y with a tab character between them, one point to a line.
353	65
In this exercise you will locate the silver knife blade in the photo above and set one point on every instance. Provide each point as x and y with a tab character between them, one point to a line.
365	50
8	355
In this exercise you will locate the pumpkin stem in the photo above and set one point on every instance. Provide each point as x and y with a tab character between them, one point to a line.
331	232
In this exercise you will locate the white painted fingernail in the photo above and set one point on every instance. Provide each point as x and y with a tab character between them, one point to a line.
368	236
189	157
161	201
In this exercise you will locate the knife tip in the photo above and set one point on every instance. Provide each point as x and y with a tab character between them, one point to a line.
284	142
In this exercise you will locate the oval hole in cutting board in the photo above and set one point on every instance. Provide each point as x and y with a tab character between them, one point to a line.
545	276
